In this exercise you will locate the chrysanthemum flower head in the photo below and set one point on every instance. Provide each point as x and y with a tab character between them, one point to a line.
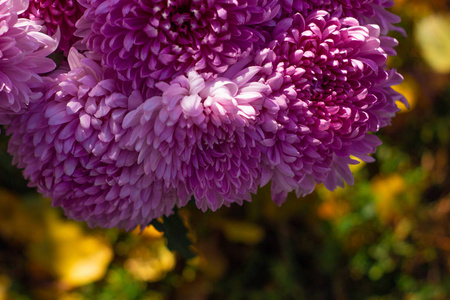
329	89
198	137
54	14
67	145
365	11
152	40
180	99
23	51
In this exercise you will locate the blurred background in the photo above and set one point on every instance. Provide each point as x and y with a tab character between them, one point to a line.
386	237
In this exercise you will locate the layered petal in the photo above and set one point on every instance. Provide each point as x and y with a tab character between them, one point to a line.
329	90
198	137
23	51
365	11
152	40
67	144
57	14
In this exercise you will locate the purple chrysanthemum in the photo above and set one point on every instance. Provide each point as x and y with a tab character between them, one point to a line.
54	14
365	11
329	89
23	51
198	137
194	98
67	144
154	40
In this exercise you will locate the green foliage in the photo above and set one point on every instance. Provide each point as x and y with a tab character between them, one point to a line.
176	234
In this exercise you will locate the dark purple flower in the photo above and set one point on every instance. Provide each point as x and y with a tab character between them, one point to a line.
329	89
152	40
54	14
23	51
67	145
198	137
365	11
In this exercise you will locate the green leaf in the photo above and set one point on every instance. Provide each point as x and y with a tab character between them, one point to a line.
176	234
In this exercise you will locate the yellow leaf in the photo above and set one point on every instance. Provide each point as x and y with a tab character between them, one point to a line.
410	89
386	190
71	296
5	283
403	228
433	38
149	232
243	232
82	260
74	257
150	260
358	166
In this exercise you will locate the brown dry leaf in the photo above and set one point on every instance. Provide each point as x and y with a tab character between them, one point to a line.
211	261
198	289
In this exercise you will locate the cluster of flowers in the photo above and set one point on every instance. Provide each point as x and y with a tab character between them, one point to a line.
156	102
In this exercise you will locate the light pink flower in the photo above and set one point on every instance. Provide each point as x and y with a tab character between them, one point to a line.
198	137
67	145
23	51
